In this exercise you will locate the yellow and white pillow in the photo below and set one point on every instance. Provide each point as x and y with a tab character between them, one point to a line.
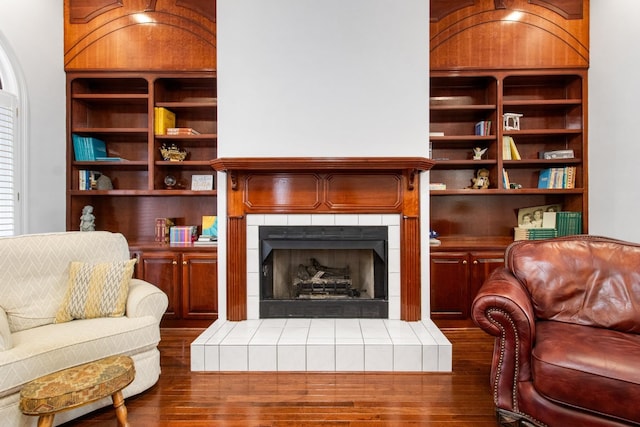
96	290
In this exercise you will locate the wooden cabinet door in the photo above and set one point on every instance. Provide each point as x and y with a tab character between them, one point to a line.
449	285
162	269
199	286
482	264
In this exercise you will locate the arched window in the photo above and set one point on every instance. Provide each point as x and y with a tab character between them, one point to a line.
12	147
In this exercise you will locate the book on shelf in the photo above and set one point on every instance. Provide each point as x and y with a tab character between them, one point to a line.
557	178
506	148
109	159
87	179
183	234
182	131
515	154
437	186
568	223
163	119
201	182
88	148
206	240
163	225
483	128
505	179
210	226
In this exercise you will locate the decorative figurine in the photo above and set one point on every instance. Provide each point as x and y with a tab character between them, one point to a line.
87	219
481	181
173	153
478	152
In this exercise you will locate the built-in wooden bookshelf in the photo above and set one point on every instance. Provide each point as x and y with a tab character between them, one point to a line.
118	108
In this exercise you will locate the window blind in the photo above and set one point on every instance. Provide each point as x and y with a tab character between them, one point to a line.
8	119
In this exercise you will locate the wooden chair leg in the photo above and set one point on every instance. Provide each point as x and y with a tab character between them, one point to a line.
45	420
121	409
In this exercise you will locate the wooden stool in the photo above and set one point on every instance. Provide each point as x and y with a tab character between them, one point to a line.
77	386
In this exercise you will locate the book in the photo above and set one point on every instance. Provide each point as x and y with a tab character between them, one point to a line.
544	180
506	148
163	119
88	148
88	180
183	234
505	179
182	131
162	229
483	128
210	226
201	182
569	223
515	154
437	186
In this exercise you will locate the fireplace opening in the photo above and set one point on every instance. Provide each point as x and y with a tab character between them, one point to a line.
323	271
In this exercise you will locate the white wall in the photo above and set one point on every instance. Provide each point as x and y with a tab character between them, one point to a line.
614	96
325	78
34	32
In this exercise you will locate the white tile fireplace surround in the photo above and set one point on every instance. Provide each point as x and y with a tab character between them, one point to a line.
322	344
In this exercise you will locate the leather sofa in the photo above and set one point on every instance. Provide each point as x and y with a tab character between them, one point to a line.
35	273
565	314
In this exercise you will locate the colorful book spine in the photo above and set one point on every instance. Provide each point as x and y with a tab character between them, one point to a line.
183	234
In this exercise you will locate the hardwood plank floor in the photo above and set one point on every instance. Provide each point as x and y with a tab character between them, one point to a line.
185	398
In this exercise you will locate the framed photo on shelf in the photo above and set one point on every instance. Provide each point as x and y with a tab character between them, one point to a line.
202	182
533	217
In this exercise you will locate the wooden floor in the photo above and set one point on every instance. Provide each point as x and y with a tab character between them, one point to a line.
185	398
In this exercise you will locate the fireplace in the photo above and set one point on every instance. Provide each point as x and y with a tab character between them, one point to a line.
324	187
323	272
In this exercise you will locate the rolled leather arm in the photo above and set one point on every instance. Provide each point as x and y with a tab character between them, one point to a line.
503	309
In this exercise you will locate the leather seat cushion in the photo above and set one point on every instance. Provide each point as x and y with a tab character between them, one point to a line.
588	367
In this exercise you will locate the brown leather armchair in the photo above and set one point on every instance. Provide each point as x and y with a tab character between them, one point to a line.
565	314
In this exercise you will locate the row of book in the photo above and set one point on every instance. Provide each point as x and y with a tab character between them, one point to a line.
556	224
164	123
483	128
88	180
560	177
88	148
167	232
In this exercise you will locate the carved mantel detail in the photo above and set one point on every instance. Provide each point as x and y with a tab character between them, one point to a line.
323	185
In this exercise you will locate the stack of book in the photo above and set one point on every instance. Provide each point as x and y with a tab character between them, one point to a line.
182	131
206	240
561	177
88	148
510	149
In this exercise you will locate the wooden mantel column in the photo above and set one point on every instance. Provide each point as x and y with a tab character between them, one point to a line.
313	185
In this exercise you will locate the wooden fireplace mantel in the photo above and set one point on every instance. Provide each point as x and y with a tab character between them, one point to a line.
321	185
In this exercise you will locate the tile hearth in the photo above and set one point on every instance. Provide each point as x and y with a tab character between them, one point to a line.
346	345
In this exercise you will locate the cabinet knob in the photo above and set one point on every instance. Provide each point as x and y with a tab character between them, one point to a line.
464	262
175	262
184	262
475	261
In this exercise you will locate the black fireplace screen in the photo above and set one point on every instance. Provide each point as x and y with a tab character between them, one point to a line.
323	271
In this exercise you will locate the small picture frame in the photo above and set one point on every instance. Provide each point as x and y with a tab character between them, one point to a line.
201	182
533	217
